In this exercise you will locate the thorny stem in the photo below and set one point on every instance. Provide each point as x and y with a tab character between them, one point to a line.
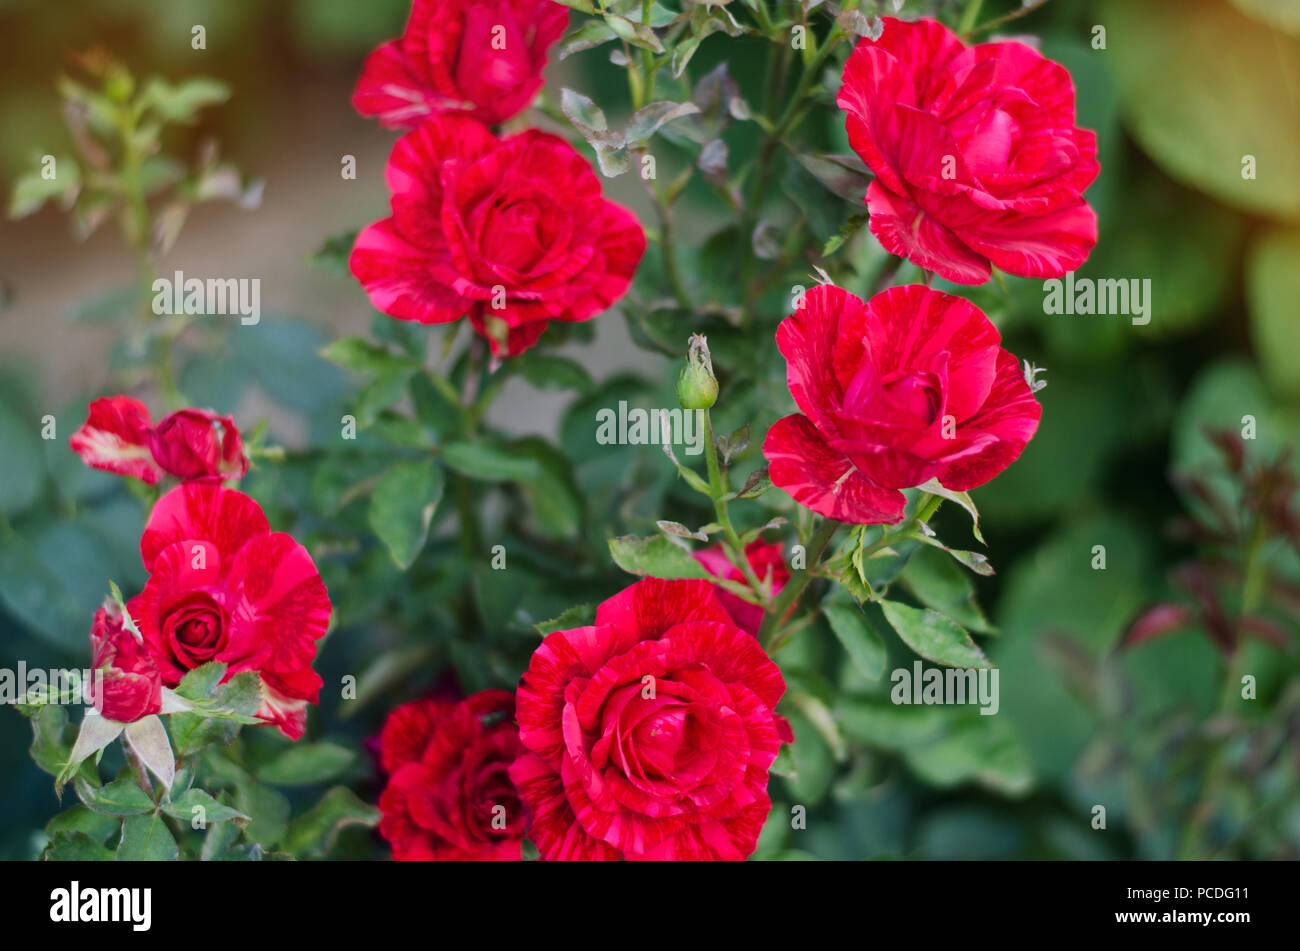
794	588
718	489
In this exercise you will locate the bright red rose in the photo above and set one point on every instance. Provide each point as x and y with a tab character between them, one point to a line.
449	796
198	445
512	233
480	57
115	438
125	683
651	732
977	158
194	445
224	587
908	387
768	562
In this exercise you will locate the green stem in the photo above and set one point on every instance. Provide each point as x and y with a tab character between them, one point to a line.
794	588
718	488
969	16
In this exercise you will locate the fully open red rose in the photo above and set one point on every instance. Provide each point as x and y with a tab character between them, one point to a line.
768	562
125	683
651	732
194	445
975	151
481	57
449	796
512	233
224	587
911	386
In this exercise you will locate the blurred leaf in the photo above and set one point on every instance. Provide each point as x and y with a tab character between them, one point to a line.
22	474
362	356
181	102
485	462
402	506
313	833
306	764
1273	288
580	615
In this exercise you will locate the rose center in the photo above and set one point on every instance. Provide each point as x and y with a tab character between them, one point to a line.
918	394
195	630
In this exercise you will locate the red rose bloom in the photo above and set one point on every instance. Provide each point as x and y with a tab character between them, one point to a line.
125	684
449	796
224	587
481	57
651	732
908	387
194	445
768	562
977	158
510	232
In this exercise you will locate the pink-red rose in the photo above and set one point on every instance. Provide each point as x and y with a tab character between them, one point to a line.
911	386
976	156
125	683
511	233
650	733
194	445
449	796
223	587
768	562
479	57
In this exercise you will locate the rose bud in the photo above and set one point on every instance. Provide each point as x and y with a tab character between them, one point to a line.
197	445
697	388
126	684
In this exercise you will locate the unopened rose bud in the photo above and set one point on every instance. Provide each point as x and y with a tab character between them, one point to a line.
697	387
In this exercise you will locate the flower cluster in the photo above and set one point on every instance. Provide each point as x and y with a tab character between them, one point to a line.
510	232
222	586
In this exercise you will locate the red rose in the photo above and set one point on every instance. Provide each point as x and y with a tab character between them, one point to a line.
768	562
908	387
223	587
449	796
976	154
509	232
195	445
480	57
125	683
199	445
651	732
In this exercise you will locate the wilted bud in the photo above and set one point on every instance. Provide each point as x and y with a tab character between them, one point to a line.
697	388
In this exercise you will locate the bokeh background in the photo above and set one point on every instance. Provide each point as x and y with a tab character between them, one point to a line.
1179	95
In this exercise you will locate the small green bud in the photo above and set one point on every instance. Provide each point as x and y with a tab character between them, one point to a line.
697	388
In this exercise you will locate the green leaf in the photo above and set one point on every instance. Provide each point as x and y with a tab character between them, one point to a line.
33	190
362	356
76	847
79	818
182	101
846	175
313	833
580	615
550	372
334	252
935	581
267	808
590	34
654	557
305	764
183	806
933	636
402	506
23	471
553	496
1197	123
201	682
883	725
50	747
121	797
380	394
146	839
485	462
218	840
961	498
1273	288
860	639
647	120
983	749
